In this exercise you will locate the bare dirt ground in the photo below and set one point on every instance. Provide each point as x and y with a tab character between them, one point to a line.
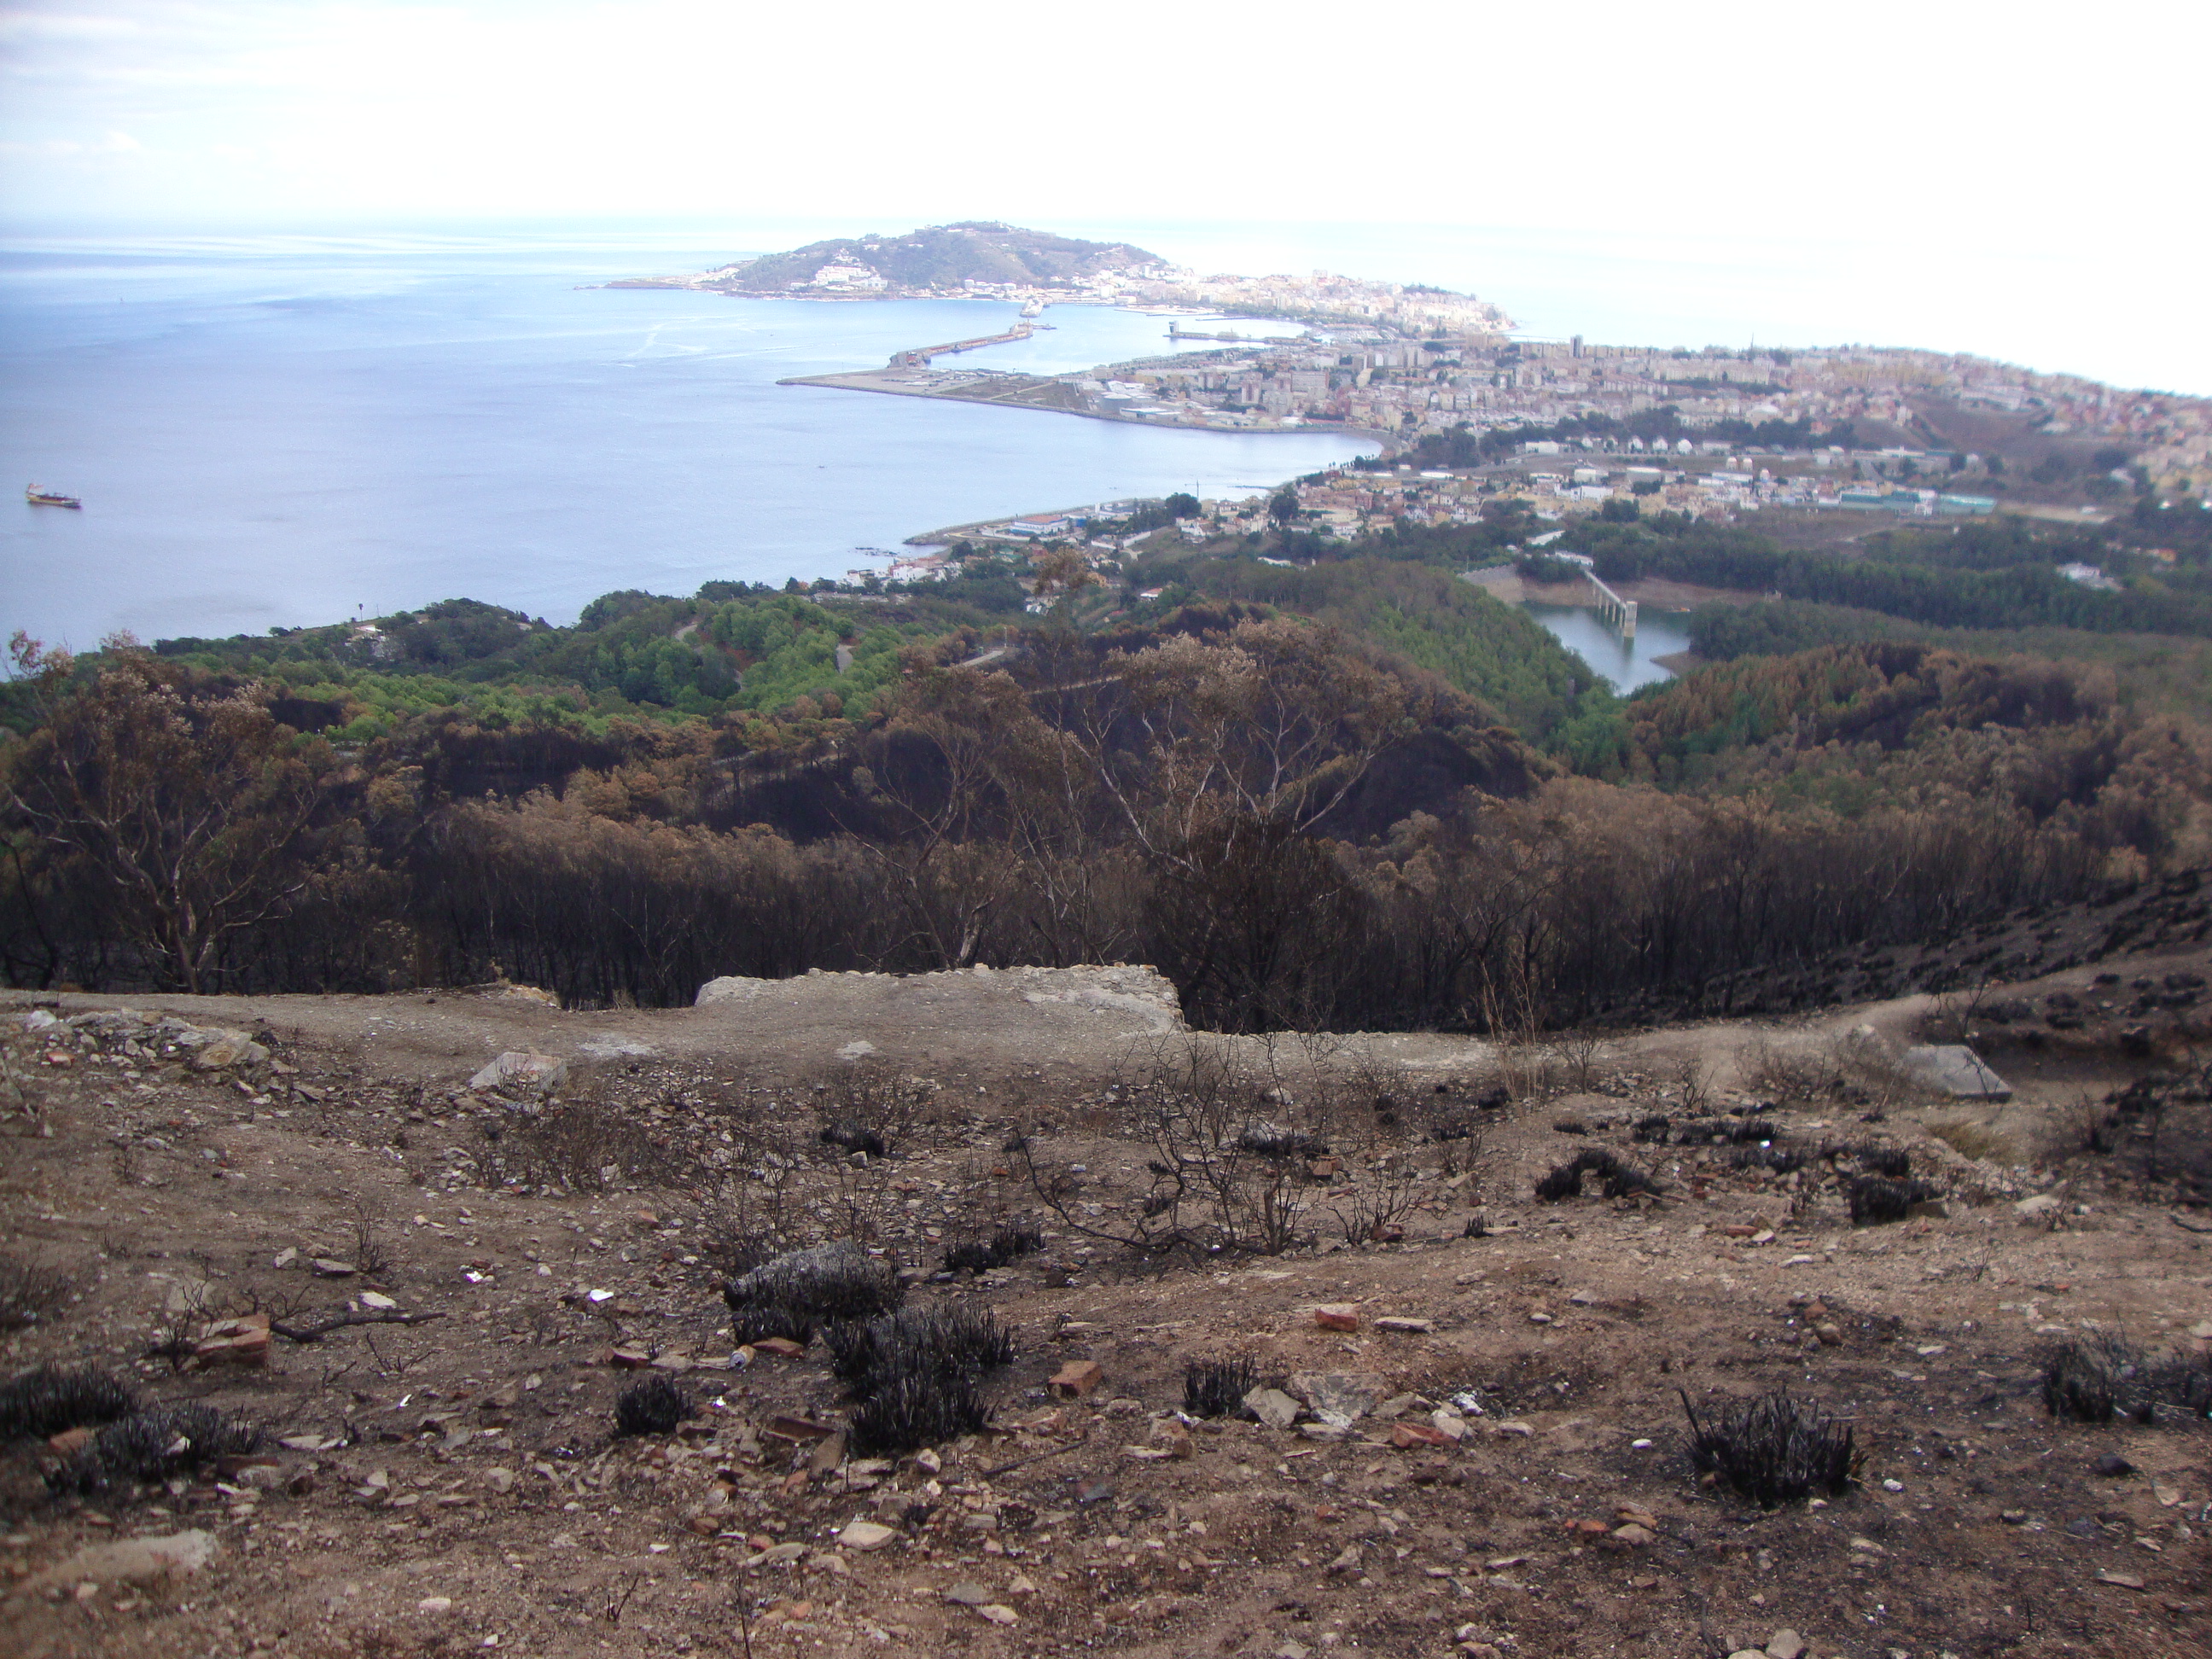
455	1484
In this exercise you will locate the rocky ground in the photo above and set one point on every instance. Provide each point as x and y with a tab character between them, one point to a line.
1477	1442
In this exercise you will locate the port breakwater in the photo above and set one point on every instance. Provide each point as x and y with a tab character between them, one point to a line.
920	356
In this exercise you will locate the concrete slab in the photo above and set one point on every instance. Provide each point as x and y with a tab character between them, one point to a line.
1957	1070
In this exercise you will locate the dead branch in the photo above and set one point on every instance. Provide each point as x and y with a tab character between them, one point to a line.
338	1322
1034	1457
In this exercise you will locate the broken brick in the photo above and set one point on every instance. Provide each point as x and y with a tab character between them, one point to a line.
1407	1435
240	1341
1078	1378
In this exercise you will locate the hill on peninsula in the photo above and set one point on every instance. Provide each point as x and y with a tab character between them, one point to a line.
941	257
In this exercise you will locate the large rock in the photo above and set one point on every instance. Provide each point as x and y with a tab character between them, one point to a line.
1144	992
1138	997
216	1050
1955	1070
1272	1406
515	1073
130	1561
836	1280
1339	1399
165	1037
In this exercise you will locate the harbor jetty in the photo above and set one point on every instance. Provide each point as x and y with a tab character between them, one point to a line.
919	356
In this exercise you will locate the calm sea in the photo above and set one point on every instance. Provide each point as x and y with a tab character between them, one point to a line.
280	431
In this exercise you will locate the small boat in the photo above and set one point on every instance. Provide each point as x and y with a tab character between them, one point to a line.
38	497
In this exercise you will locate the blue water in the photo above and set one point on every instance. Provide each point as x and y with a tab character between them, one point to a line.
1622	664
279	431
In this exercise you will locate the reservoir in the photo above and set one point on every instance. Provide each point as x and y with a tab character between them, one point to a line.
1622	664
275	431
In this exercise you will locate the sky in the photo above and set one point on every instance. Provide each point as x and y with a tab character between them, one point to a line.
2032	169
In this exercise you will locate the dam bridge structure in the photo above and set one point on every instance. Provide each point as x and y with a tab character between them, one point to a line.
1619	613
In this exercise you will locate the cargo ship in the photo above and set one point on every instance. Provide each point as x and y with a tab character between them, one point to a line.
38	497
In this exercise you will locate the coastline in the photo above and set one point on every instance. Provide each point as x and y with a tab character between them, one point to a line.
908	374
948	534
1047	395
1237	311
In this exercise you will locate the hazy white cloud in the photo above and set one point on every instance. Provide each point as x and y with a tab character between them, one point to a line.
1749	114
1918	147
114	143
21	25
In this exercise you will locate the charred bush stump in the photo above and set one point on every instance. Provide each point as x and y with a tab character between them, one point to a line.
1772	1450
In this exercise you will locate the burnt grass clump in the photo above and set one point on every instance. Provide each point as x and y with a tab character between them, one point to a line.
1564	1183
855	1138
918	1374
1875	1199
2101	1377
656	1405
28	1292
1626	1181
1891	1163
1712	1131
152	1445
2158	1129
765	1321
49	1401
1620	1180
959	1339
1780	1160
917	1409
2093	1379
1009	1243
794	1294
1772	1450
1651	1130
1268	1142
1217	1388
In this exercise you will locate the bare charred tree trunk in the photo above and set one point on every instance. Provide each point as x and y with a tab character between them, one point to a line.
1245	918
191	805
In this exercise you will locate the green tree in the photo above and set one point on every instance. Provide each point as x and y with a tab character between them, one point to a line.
1060	571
